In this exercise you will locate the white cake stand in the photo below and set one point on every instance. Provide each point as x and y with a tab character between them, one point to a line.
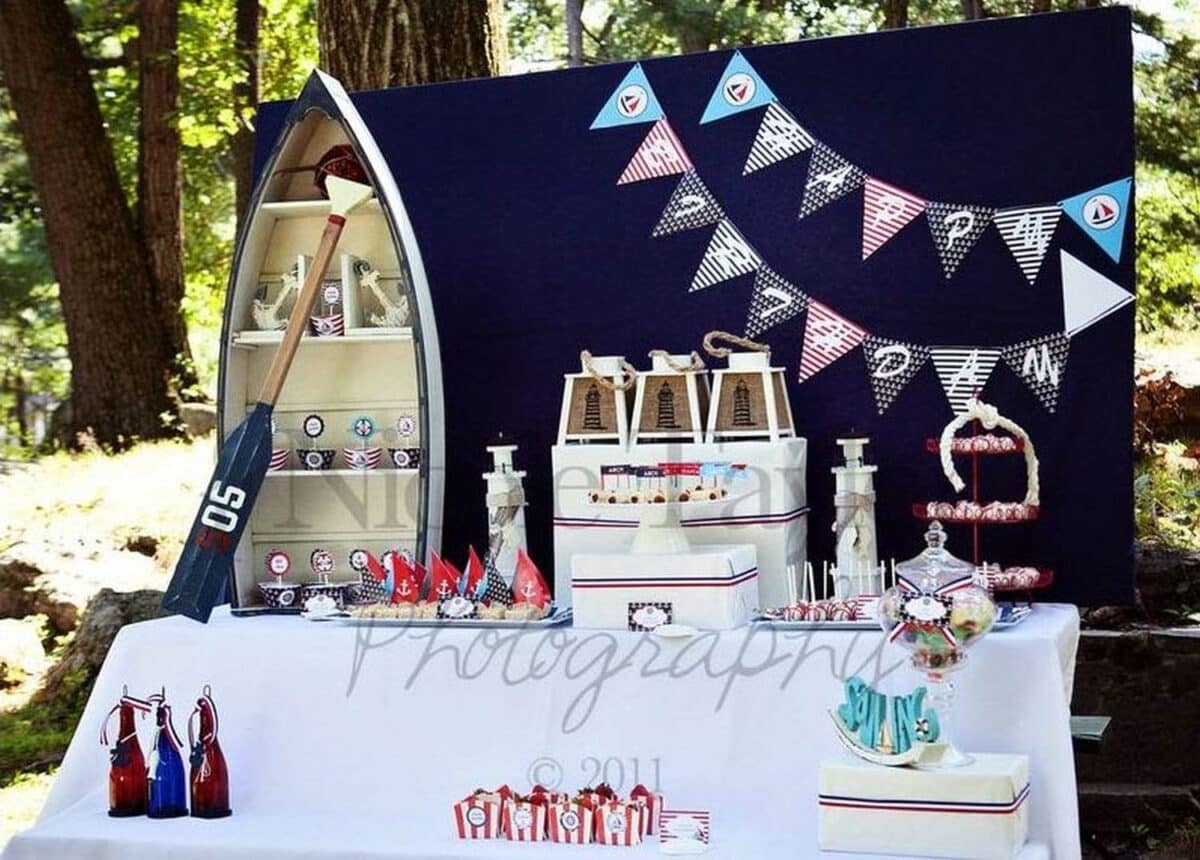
660	530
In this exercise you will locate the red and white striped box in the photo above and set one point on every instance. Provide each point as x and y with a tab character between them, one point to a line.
654	804
569	822
679	826
619	822
477	816
524	821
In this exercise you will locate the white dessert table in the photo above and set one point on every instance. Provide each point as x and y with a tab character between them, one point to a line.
348	743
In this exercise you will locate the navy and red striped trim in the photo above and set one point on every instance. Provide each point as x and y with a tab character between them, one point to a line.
904	805
669	582
741	520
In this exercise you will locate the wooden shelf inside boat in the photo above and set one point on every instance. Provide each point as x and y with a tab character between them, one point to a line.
338	473
254	338
311	208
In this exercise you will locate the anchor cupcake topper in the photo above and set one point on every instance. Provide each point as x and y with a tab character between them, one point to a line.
406	425
358	560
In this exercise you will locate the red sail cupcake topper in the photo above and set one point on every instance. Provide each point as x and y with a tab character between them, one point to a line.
529	586
406	587
443	581
472	574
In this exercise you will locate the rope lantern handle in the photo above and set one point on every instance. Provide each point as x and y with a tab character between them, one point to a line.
695	362
990	417
628	371
722	351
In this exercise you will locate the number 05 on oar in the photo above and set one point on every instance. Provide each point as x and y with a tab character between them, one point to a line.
207	557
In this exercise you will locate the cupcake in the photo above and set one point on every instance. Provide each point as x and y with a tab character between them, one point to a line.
457	608
525	612
490	612
426	609
658	497
684	496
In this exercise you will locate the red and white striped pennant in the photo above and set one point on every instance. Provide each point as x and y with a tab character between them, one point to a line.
886	209
661	154
827	337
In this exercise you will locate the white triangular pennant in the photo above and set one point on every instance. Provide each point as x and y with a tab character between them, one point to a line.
1027	231
956	228
891	365
829	177
691	206
1088	296
1041	363
964	371
728	255
827	337
779	137
773	301
886	209
661	154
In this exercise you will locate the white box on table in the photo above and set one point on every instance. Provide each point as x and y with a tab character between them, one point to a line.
975	812
711	587
767	508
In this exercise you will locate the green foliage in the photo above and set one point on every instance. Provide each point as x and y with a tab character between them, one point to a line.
1167	499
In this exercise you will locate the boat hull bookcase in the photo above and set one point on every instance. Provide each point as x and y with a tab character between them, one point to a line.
372	368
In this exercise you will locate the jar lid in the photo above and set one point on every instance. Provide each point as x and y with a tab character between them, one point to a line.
934	565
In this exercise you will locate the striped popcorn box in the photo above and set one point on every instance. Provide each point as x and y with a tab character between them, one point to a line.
333	325
569	822
653	802
524	820
619	822
477	816
279	459
682	827
362	459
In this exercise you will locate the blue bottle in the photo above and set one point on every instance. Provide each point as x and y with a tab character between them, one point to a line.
165	777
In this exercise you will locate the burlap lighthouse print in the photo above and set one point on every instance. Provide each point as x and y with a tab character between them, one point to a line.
741	405
666	408
591	409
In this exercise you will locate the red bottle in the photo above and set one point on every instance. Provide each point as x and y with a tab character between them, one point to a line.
210	776
127	774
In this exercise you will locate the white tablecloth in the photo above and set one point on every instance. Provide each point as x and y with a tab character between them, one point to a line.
347	742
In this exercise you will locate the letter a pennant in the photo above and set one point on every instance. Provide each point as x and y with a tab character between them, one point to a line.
1102	213
632	102
891	365
1027	231
774	300
740	89
661	154
779	137
956	229
827	337
728	255
1041	363
691	207
886	209
829	177
964	371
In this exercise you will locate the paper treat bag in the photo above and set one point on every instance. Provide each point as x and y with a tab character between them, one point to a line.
524	820
619	822
653	802
569	822
477	816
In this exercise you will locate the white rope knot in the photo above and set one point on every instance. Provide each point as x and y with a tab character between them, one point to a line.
985	413
989	416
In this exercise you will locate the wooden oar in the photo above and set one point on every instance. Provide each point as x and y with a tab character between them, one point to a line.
207	557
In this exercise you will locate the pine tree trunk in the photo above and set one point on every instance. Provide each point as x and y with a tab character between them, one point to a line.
369	44
160	181
245	98
895	14
115	340
574	18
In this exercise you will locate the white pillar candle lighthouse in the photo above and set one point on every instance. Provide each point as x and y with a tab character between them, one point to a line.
854	527
506	508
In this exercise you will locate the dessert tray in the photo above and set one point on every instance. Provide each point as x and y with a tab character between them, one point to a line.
788	617
553	618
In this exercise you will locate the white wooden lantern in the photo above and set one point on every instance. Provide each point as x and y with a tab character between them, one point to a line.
595	406
672	399
749	397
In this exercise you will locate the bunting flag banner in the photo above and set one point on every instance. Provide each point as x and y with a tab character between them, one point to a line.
779	137
956	228
886	209
1027	231
773	301
691	207
661	154
728	255
829	177
1088	296
740	89
1101	213
632	102
964	371
827	337
1041	363
891	365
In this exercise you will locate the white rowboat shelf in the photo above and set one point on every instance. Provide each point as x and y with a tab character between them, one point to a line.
390	374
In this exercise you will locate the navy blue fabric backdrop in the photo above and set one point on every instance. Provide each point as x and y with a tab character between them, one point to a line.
533	252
